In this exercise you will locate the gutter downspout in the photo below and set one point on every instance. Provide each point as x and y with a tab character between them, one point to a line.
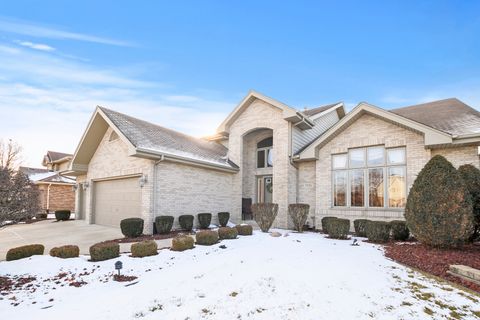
48	197
155	184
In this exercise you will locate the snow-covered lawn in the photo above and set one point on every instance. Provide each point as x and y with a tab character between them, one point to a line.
300	276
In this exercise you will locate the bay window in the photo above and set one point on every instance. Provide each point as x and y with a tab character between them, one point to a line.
372	177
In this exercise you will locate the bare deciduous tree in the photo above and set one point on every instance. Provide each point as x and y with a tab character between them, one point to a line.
10	154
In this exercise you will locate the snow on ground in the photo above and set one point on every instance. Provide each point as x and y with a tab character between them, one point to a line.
300	276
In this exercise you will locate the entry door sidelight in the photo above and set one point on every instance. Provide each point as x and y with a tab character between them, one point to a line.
264	189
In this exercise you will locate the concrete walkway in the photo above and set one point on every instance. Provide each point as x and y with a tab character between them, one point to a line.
51	234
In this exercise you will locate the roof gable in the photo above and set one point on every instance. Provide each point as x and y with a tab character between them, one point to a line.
289	113
147	140
432	136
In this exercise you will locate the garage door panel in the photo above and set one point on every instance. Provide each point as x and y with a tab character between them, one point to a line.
116	200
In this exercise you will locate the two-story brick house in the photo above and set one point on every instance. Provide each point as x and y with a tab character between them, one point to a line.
359	164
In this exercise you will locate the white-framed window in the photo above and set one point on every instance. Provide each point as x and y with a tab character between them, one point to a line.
265	153
373	177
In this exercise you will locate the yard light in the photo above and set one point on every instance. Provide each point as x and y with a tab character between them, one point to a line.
118	266
143	179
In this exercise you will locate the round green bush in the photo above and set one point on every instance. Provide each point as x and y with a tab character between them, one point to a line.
182	243
360	225
131	227
325	222
227	233
378	231
223	218
206	237
244	229
25	251
164	224
65	252
399	230
471	176
439	208
62	215
186	222
204	220
144	249
338	228
104	251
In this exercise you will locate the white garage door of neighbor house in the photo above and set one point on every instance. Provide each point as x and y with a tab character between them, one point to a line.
116	200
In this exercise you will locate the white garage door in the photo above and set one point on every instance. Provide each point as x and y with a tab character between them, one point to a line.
116	200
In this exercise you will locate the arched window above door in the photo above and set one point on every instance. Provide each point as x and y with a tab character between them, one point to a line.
265	153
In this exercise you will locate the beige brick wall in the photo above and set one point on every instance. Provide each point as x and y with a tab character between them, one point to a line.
460	155
184	189
260	115
111	159
366	131
306	187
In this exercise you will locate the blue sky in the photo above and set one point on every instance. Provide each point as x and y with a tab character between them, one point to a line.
185	64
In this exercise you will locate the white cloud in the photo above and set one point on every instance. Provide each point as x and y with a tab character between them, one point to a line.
36	46
30	29
46	102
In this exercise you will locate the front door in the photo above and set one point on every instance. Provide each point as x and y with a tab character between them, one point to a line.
264	189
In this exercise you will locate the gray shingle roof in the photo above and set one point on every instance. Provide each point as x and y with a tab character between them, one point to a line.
146	135
314	111
54	155
451	116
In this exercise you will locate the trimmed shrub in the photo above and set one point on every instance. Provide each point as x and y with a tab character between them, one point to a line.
264	214
471	176
338	228
182	243
204	220
25	251
244	229
360	225
378	231
223	218
65	252
104	251
62	215
325	221
227	233
132	227
439	208
299	214
186	222
41	216
399	230
206	237
144	249
164	224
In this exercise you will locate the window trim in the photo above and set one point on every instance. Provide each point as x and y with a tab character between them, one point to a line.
385	166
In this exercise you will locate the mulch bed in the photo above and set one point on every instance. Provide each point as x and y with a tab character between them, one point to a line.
436	261
169	235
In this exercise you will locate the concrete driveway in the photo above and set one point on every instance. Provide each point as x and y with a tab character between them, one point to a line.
51	234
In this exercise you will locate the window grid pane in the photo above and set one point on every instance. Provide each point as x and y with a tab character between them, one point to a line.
376	187
357	190
340	189
261	159
396	156
396	187
357	158
375	156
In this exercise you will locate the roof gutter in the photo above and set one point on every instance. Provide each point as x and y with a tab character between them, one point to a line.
184	160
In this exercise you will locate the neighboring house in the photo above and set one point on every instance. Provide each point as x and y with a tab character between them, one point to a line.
57	161
55	191
355	165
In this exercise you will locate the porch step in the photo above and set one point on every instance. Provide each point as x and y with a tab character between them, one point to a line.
465	272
